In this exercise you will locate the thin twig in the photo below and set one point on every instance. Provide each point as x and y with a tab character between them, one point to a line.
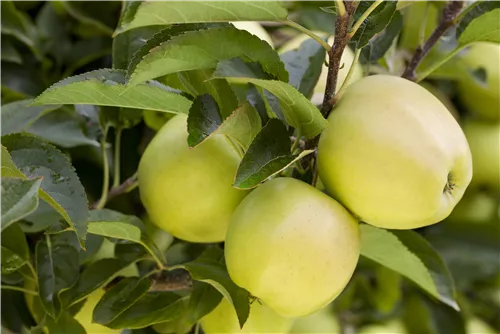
127	186
116	174
447	20
105	183
172	281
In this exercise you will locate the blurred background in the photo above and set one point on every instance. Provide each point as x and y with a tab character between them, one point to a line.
60	39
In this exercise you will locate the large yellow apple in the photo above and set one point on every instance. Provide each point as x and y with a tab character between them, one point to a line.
345	63
484	141
262	319
482	97
188	192
322	321
393	154
292	246
255	29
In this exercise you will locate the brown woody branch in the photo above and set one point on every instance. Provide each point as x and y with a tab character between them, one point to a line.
447	20
172	281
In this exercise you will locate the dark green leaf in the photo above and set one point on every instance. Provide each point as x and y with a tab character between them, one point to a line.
100	17
11	262
203	299
19	198
61	187
380	44
165	13
9	52
475	10
85	51
14	25
151	309
57	269
21	81
120	117
19	115
196	50
14	239
409	254
304	66
107	88
298	111
119	298
374	23
126	45
268	155
209	268
65	324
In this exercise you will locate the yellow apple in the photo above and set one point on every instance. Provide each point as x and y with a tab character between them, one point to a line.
393	154
484	141
322	321
345	63
188	192
255	29
481	98
478	326
475	207
84	316
291	246
262	319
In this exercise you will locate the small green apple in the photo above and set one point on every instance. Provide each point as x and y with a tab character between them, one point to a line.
255	29
291	246
156	119
482	96
188	192
262	319
322	321
484	142
475	207
345	63
393	154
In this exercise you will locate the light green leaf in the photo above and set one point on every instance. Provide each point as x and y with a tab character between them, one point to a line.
409	254
19	198
299	112
106	87
170	12
484	28
196	50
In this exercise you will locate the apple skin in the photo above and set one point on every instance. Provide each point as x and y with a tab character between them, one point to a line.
322	321
481	98
156	119
484	142
292	246
188	192
347	59
255	29
389	151
262	319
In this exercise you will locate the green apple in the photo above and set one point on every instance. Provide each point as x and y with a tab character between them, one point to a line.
393	154
262	319
188	192
475	207
322	321
106	251
442	97
345	63
292	246
484	141
156	119
481	97
392	327
84	316
255	29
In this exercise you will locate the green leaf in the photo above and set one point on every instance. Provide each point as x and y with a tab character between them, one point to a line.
9	52
114	224
19	115
86	51
14	25
62	127
165	13
61	189
209	268
127	44
150	309
374	23
381	43
14	239
119	298
93	16
57	268
203	299
95	276
120	117
106	87
298	111
65	324
194	50
19	198
483	28
205	120
409	254
304	65
268	155
472	12
11	262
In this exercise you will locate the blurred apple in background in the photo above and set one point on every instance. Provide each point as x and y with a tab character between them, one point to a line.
322	321
255	29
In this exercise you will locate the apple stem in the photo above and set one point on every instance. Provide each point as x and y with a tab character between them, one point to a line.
450	12
127	186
